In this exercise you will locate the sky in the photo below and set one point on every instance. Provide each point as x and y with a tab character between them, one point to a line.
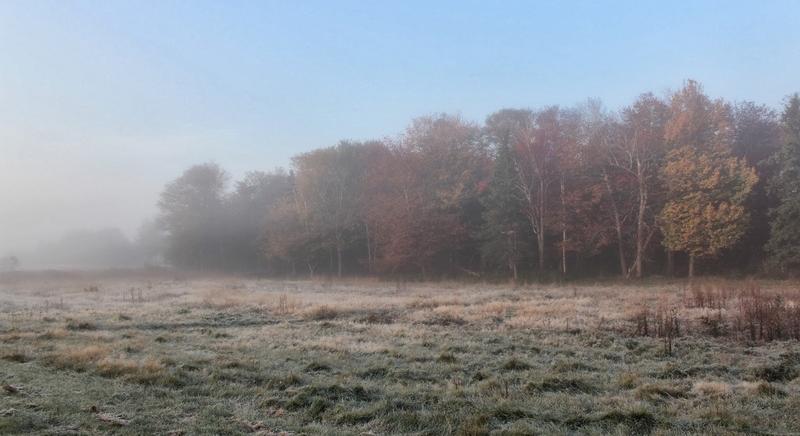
103	102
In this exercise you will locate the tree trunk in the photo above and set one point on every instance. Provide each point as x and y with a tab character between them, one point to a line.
640	221
670	263
623	265
563	252
540	234
338	258
512	253
369	249
540	246
563	230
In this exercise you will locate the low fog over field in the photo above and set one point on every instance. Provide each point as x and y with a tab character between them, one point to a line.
104	104
399	218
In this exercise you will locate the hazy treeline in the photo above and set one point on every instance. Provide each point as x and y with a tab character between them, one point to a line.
660	186
93	249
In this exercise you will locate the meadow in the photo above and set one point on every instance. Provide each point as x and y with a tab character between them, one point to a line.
184	355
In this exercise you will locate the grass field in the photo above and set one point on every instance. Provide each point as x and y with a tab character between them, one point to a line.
159	355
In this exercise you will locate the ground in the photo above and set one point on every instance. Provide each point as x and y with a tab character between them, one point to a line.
139	354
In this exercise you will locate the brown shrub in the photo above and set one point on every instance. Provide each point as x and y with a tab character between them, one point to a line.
745	312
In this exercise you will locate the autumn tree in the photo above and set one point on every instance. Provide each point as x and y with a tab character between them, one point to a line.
548	187
579	219
556	186
246	209
420	199
535	156
327	184
634	153
583	223
706	212
289	238
783	246
706	185
757	137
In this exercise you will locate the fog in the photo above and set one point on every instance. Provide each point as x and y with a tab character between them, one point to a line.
52	183
101	105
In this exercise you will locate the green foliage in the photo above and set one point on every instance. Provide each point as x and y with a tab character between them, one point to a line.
504	236
783	246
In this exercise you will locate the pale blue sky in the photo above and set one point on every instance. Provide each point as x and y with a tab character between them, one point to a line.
102	102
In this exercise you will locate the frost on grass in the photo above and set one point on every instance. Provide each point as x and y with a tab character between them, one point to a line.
213	356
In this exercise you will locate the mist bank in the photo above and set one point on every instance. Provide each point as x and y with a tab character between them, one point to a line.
85	249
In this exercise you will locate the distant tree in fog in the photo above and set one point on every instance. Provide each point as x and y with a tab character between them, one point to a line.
9	263
151	242
246	211
192	213
103	248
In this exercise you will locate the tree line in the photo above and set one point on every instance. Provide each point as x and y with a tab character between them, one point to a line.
664	186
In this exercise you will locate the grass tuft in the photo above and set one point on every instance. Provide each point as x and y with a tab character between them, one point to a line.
322	313
514	364
73	324
660	391
556	384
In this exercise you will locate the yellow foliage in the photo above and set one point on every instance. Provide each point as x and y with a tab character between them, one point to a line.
705	210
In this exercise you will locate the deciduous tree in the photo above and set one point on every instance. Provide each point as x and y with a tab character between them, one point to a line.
784	242
536	155
191	212
635	154
705	213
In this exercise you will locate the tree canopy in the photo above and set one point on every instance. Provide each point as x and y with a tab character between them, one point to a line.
682	181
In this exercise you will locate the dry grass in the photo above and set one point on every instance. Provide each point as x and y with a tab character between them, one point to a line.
148	369
230	355
321	313
711	388
78	358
